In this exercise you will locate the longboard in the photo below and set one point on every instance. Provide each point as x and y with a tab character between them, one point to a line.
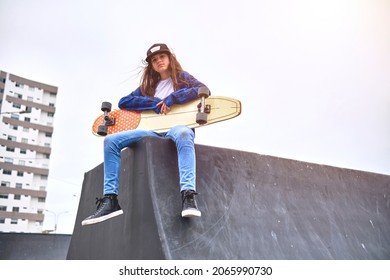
193	114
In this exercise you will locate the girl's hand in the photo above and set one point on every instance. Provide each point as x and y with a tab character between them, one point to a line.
164	108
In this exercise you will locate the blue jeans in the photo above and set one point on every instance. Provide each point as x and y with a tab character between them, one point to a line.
115	143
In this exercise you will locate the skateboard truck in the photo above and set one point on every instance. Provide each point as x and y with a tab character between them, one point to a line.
107	120
203	108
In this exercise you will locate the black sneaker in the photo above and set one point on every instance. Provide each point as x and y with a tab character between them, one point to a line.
108	207
189	206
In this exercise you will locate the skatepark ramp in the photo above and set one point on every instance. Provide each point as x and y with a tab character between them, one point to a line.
253	207
33	246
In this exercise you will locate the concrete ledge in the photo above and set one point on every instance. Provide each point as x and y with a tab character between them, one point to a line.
253	207
33	246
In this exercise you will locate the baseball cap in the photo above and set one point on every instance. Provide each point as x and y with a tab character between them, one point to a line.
156	48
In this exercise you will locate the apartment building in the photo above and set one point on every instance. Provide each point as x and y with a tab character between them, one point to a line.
27	111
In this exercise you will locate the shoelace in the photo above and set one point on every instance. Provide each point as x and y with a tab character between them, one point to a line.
189	195
100	205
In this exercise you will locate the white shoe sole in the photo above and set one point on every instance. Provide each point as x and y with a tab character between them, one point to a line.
189	213
102	218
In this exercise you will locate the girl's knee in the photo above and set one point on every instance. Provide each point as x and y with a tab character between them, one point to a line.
111	142
184	131
181	132
108	140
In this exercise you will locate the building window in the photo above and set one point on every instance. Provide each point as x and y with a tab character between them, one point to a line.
14	127
14	221
2	221
5	196
27	119
22	162
25	140
8	160
50	114
15	116
11	138
20	174
41	199
17	106
17	196
23	151
7	172
48	134
15	209
5	184
10	149
18	185
3	208
19	85
25	129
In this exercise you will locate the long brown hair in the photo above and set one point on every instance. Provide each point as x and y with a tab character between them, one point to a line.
150	78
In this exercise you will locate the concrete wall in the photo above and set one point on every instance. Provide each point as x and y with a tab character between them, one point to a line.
33	246
253	207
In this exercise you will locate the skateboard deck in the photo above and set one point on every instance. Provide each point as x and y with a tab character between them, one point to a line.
217	109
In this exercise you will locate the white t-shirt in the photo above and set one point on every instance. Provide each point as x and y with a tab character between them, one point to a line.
164	88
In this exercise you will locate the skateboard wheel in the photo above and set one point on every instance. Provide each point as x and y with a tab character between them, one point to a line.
201	118
106	106
102	130
203	92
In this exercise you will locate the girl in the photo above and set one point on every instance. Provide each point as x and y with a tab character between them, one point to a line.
163	84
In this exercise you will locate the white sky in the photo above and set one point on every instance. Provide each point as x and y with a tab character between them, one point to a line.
313	76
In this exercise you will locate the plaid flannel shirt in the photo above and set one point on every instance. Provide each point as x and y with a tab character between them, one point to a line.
188	91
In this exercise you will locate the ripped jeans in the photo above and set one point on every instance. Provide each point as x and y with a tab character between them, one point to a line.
115	143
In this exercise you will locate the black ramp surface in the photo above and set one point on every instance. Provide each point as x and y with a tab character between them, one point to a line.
33	246
253	207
